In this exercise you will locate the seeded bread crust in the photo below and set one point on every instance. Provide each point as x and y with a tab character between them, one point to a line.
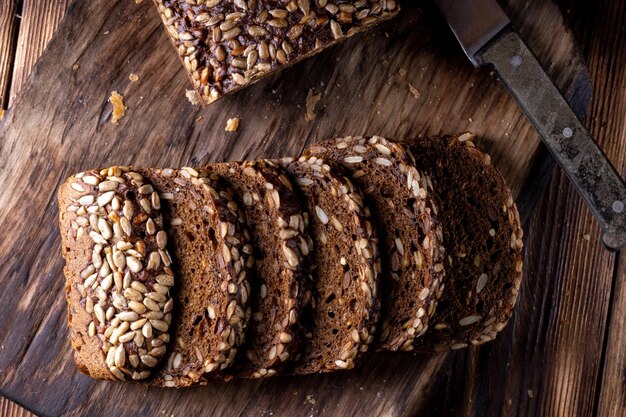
345	302
227	45
410	235
212	250
118	274
483	241
281	242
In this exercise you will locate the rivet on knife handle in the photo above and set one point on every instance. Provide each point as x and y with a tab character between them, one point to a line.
578	154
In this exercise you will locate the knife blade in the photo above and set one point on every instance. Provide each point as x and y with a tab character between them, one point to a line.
487	38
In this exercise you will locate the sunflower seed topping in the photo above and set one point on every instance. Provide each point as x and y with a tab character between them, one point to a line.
466	321
111	287
321	215
226	44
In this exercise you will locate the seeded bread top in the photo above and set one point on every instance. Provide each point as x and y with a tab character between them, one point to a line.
410	235
212	251
118	273
345	309
483	240
281	241
226	44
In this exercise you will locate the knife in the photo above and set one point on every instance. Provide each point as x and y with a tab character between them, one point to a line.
485	34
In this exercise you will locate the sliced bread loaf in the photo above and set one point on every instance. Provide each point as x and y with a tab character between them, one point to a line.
212	252
118	274
281	244
483	242
410	235
345	302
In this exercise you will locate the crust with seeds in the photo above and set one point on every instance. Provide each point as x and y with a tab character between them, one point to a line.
483	240
345	303
227	45
410	234
118	273
282	245
211	248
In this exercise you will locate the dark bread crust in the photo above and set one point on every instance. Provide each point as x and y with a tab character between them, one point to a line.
212	251
483	242
282	244
117	272
410	234
345	300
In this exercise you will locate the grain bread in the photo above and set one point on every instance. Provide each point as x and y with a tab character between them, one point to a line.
226	45
345	300
118	274
281	244
483	241
410	235
212	253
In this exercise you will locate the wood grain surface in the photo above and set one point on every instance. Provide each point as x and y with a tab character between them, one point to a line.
558	332
25	26
39	20
607	121
8	31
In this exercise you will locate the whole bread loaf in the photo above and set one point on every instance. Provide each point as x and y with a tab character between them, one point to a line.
227	45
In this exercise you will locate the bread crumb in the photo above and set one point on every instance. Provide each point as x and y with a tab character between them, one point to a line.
118	106
531	393
133	77
402	72
75	67
198	118
138	1
414	91
311	101
2	114
310	399
232	124
585	236
192	96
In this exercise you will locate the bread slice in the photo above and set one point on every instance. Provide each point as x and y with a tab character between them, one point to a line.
228	45
118	273
281	242
483	241
345	298
410	235
212	252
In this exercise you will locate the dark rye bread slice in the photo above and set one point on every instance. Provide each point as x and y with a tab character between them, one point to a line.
410	235
282	244
118	273
212	252
345	304
483	242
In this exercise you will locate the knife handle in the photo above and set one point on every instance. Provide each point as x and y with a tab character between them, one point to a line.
572	145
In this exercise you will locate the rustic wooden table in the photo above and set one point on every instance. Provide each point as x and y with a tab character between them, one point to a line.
572	333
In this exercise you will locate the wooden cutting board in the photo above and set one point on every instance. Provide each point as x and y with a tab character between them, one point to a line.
401	80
